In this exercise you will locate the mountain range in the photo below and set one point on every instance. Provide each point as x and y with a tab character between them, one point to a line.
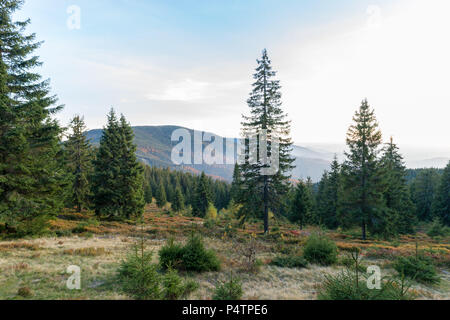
154	147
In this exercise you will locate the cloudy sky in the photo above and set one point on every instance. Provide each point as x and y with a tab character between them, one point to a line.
190	62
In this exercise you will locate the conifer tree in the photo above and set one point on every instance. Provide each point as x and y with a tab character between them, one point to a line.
362	199
31	172
148	193
131	173
328	196
262	192
79	157
399	216
161	199
202	197
236	184
302	205
118	178
178	202
441	204
423	192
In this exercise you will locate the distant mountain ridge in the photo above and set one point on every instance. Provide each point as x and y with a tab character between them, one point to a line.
154	147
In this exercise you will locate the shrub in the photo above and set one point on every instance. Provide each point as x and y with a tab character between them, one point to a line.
231	290
171	255
192	257
345	286
196	258
174	287
437	229
419	268
289	262
320	250
139	277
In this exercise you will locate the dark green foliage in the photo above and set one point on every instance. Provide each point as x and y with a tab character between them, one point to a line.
118	176
399	212
437	229
174	288
192	257
236	185
139	277
302	205
328	196
261	192
161	199
198	259
419	268
148	191
79	156
171	255
441	204
289	262
362	200
31	172
219	191
320	250
202	197
178	201
423	191
229	291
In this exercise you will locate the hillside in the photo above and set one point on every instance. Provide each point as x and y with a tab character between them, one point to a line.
154	147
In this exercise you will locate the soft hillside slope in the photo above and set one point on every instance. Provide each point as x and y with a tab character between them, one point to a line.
155	146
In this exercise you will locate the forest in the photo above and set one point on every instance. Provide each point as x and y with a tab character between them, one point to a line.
61	196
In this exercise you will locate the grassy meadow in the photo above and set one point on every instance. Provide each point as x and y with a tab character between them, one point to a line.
36	268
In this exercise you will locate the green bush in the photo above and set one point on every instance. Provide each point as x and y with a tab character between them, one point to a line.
174	287
171	255
230	290
139	277
437	229
196	258
289	262
320	250
344	286
419	268
192	257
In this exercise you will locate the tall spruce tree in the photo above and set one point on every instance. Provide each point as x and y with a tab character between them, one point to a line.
362	199
79	157
262	192
31	173
118	178
441	204
131	173
399	216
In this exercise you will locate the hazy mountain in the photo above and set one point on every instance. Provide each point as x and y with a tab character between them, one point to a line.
154	147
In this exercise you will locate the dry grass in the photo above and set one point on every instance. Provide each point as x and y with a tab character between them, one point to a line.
40	264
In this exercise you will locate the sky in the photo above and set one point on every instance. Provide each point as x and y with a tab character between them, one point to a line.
190	63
